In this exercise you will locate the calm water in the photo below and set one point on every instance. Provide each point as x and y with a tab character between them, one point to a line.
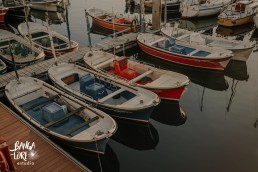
213	128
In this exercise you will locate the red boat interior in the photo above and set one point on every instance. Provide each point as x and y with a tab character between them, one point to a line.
117	20
121	69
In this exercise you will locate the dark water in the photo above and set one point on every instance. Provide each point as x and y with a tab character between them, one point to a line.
214	126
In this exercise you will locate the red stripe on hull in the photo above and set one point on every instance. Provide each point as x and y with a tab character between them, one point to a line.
118	27
3	11
58	53
171	94
207	64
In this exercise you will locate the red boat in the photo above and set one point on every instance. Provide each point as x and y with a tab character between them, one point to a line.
166	84
112	21
3	11
184	53
40	38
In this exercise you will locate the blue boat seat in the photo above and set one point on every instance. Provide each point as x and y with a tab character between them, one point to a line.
177	49
96	91
85	81
53	112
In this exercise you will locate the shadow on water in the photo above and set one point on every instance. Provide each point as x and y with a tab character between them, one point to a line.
136	135
198	24
54	17
210	79
109	161
169	113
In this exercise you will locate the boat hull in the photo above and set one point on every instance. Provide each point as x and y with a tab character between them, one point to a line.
242	55
212	64
170	94
110	25
48	6
230	23
3	11
200	12
49	52
171	7
9	63
255	18
140	115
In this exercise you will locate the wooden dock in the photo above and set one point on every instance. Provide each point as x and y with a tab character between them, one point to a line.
129	41
50	157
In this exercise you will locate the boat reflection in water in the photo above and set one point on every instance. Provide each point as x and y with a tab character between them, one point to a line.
97	29
139	136
237	70
234	31
169	113
214	80
198	24
54	17
108	162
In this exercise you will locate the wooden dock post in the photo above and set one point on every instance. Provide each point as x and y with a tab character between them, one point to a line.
156	14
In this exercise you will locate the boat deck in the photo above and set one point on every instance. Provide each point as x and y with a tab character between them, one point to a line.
50	156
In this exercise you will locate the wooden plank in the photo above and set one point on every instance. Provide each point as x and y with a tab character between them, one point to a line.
81	125
49	159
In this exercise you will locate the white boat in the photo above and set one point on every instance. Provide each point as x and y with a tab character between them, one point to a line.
166	84
202	8
24	54
40	38
238	13
59	115
3	67
47	5
241	49
115	98
184	53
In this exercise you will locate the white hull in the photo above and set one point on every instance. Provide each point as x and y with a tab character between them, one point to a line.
201	10
241	50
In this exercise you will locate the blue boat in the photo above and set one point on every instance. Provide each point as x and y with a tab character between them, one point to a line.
115	97
59	115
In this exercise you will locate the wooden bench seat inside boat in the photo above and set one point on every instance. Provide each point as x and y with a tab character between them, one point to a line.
64	118
41	102
71	79
81	125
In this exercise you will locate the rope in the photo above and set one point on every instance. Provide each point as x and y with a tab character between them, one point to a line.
98	155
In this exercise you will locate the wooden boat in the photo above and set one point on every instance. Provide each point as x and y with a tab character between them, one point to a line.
40	38
241	49
24	54
47	5
166	84
3	67
59	115
238	13
111	21
115	98
172	5
3	11
235	30
201	8
181	53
